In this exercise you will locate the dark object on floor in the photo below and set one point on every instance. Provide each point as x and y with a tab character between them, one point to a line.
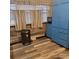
25	36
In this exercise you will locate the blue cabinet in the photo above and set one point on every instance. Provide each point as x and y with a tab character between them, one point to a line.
58	30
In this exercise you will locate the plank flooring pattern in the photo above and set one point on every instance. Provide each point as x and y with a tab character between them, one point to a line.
39	49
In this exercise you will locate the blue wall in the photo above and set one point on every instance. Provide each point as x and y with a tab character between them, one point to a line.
58	31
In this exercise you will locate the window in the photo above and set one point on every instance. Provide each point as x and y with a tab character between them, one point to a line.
28	17
12	18
44	14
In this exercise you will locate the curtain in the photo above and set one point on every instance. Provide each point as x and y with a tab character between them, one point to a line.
36	19
20	20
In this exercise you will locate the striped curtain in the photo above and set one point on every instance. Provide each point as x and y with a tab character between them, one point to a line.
36	19
20	20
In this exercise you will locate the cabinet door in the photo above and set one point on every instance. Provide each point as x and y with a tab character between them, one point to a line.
56	2
63	36
48	30
64	21
64	1
56	16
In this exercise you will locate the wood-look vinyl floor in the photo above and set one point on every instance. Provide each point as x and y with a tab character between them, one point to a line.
39	49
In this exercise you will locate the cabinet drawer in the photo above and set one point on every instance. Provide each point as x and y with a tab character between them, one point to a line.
64	31
63	37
